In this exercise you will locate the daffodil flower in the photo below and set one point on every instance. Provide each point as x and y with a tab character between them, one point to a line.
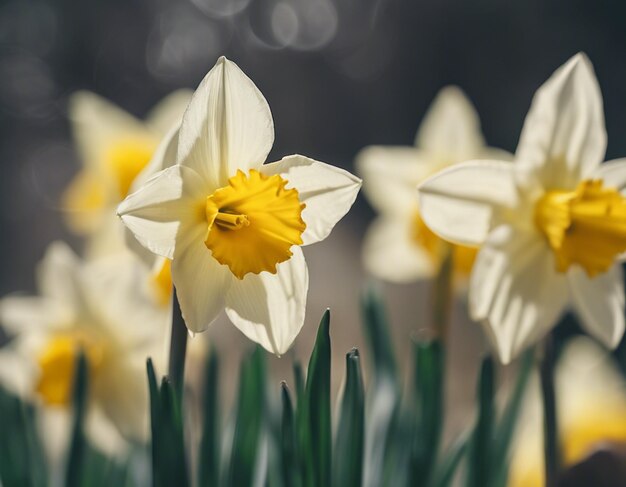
551	225
114	148
231	225
103	308
398	246
591	412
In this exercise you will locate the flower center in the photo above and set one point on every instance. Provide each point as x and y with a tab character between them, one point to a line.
462	257
57	363
161	280
253	223
127	158
586	226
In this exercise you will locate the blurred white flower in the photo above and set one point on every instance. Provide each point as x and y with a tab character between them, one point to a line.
232	225
114	147
398	246
591	411
551	226
105	308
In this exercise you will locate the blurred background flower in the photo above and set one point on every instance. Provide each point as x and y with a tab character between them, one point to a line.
339	75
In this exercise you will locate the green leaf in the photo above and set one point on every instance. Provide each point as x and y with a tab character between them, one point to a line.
480	453
317	407
444	473
22	463
506	426
376	328
288	441
348	453
209	457
169	463
251	409
429	377
74	476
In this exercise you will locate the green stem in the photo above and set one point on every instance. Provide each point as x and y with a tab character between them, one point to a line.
550	425
442	294
178	348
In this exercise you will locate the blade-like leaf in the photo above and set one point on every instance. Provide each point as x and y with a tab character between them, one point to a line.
429	376
444	473
480	454
506	426
288	441
377	333
209	457
250	413
348	453
316	435
78	445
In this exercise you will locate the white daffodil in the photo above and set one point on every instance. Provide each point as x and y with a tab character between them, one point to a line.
398	246
104	308
591	411
231	225
551	225
114	147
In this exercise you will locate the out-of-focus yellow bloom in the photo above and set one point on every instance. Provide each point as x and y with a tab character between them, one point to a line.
591	410
231	224
114	147
106	309
551	226
398	246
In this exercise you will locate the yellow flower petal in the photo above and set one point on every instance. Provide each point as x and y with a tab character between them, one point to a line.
57	362
253	223
586	226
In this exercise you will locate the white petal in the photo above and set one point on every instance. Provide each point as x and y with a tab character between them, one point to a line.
167	210
227	126
201	284
122	393
168	113
164	156
269	308
130	310
97	123
104	435
390	253
461	203
327	191
18	373
22	314
451	128
515	291
57	274
390	176
613	174
564	136
600	303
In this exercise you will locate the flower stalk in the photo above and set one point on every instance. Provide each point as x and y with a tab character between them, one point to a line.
442	294
550	425
178	348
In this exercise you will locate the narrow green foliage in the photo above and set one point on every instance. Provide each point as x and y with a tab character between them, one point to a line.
506	426
75	473
444	473
251	410
349	441
291	473
428	382
315	422
298	376
376	329
209	455
479	469
169	463
21	455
